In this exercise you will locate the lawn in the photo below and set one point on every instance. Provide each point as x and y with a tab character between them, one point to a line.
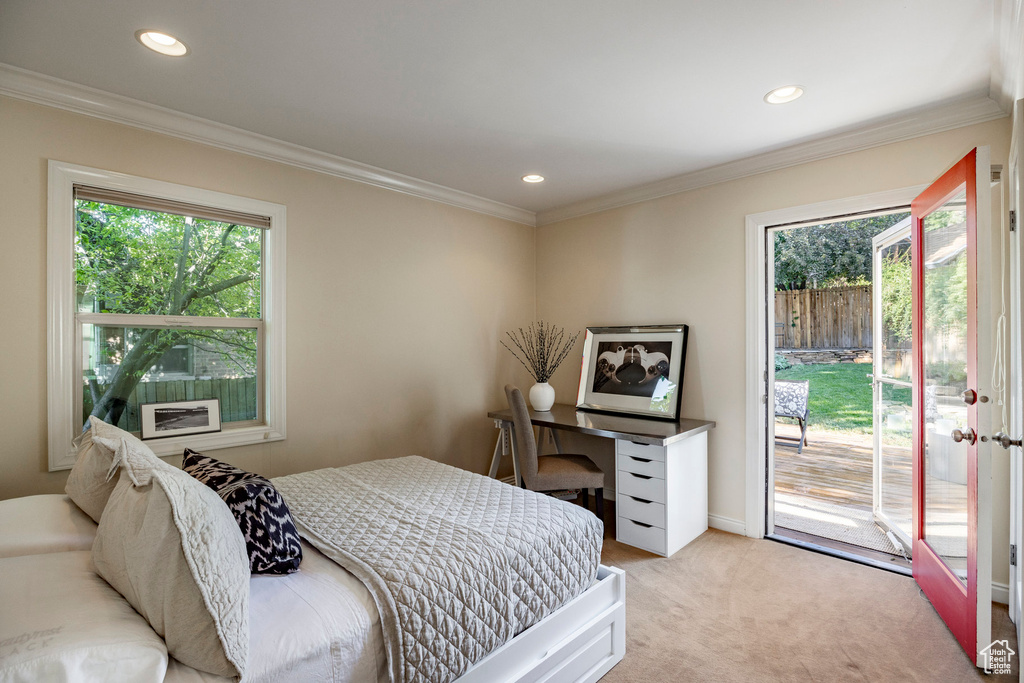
840	397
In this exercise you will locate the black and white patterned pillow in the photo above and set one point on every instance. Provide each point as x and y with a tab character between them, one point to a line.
270	536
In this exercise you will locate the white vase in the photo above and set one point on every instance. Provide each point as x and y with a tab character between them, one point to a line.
542	397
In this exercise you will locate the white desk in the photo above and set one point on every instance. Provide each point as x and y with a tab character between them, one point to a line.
661	471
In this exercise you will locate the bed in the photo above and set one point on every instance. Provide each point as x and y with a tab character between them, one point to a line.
321	623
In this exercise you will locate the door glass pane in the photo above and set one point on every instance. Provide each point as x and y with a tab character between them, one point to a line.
945	369
896	462
897	310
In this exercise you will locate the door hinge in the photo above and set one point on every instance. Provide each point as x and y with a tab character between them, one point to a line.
1013	555
1013	220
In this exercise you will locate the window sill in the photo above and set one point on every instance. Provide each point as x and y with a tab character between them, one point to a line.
228	438
175	446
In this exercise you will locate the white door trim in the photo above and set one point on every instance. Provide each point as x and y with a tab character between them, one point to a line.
880	242
1015	383
757	328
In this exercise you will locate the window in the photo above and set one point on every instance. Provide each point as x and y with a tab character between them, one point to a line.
162	292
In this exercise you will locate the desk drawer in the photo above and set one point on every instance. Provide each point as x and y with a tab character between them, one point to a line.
635	534
641	486
640	450
641	465
640	510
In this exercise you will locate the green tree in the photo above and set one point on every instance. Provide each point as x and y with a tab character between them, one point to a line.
135	261
828	255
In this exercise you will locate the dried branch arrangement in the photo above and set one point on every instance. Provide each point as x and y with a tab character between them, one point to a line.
542	348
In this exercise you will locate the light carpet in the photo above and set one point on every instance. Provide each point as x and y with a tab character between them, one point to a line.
731	608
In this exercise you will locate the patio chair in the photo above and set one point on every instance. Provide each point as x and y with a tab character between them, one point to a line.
791	401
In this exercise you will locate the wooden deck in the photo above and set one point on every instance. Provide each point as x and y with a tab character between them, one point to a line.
836	468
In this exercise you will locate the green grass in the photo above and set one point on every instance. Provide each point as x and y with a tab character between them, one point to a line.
840	397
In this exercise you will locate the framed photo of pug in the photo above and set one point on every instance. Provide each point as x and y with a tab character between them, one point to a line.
178	418
635	370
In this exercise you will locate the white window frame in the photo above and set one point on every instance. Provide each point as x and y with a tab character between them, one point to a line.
64	383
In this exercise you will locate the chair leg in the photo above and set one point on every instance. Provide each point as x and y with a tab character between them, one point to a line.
599	501
803	436
586	498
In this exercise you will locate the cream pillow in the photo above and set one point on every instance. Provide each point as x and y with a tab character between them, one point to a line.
91	480
61	622
172	548
88	484
111	436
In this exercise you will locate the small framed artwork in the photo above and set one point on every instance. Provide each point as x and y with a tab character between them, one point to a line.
635	370
179	418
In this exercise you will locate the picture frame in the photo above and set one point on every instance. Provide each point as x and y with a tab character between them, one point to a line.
179	418
637	370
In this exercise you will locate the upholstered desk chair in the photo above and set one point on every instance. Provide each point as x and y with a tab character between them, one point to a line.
551	472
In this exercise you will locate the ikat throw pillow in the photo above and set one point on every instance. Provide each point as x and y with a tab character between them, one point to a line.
271	539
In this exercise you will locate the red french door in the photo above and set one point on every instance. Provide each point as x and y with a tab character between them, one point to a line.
946	399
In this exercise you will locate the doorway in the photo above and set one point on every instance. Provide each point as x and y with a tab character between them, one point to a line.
839	303
933	389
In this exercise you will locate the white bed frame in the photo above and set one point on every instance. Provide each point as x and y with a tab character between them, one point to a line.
578	642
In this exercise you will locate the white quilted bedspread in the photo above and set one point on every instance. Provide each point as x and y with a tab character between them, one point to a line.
457	563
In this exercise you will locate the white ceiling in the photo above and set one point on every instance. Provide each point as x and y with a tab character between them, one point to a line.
597	95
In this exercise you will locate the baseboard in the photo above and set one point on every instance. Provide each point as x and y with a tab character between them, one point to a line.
733	526
1001	593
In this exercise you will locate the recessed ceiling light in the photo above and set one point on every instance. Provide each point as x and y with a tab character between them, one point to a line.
161	42
786	93
533	178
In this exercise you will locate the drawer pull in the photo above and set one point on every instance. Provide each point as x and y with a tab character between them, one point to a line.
633	457
638	476
646	526
641	500
637	443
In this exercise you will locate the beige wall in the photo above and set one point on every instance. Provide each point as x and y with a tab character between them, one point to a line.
394	304
681	259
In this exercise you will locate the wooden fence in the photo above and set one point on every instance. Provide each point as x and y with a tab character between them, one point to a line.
237	397
838	318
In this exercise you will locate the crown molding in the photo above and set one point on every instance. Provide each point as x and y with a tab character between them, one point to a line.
46	90
881	132
1007	85
54	92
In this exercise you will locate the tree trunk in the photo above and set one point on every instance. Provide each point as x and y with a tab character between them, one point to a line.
139	359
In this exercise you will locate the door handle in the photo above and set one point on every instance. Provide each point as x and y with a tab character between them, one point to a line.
1005	441
970	397
967	435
